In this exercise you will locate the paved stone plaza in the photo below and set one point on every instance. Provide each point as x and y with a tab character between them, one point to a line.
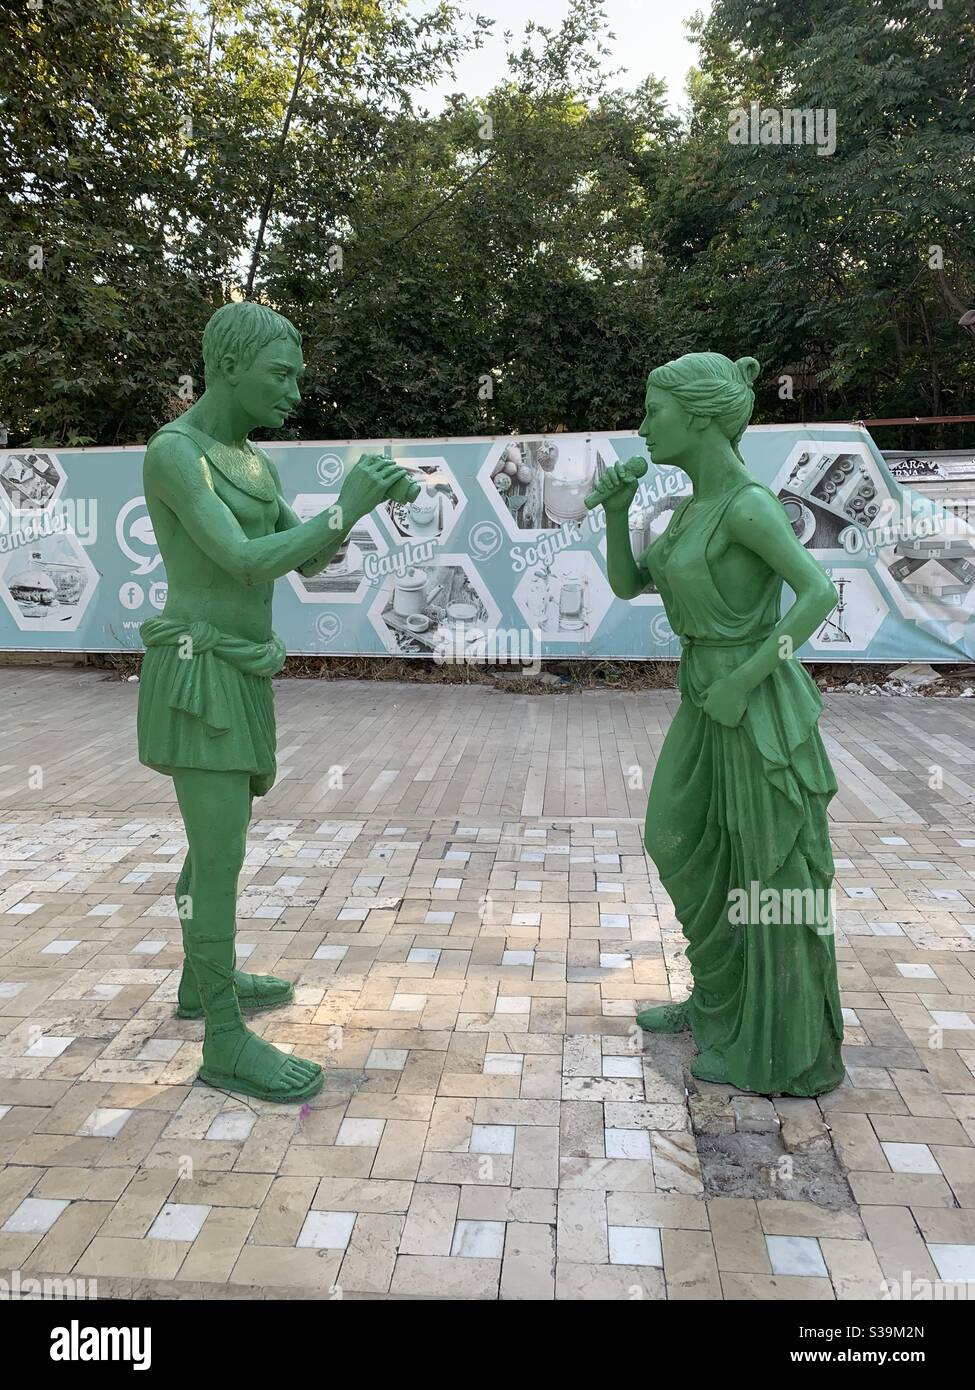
455	879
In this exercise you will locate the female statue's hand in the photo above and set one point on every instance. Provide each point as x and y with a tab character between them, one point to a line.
725	702
615	489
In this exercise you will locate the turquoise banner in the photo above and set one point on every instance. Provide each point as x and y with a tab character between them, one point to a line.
498	558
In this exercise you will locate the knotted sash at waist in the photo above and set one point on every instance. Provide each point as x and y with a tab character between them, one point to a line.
198	684
743	640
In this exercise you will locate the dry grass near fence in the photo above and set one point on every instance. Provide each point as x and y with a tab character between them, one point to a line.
554	676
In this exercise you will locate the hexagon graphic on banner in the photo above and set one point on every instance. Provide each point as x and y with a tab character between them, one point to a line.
29	481
537	485
435	513
928	566
344	580
855	620
566	599
438	606
832	494
47	582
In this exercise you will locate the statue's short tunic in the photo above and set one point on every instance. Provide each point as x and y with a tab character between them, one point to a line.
205	701
205	696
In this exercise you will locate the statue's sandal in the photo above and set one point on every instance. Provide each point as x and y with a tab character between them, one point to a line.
254	992
251	1049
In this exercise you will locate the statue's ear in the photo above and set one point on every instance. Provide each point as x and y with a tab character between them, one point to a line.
229	367
699	422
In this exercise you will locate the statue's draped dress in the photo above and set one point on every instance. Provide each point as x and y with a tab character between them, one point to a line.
734	807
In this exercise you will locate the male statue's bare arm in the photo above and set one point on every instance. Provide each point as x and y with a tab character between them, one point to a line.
178	476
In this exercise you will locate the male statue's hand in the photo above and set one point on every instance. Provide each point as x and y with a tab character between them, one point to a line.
371	481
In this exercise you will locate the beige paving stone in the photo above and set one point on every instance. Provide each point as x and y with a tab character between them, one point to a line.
739	1238
215	1251
312	1270
782	1218
15	1249
526	1204
897	1244
958	1166
224	1189
855	1142
528	1267
450	1125
283	1211
606	1175
431	1276
608	1283
371	1253
900	1189
920	1094
517	1112
140	1204
430	1221
911	1129
79	1184
582	1228
491	1169
68	1238
132	1258
401	1150
767	1288
351	1194
582	1130
535	1162
665	1210
853	1268
690	1268
676	1167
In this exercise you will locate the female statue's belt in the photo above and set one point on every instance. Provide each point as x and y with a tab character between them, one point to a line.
742	640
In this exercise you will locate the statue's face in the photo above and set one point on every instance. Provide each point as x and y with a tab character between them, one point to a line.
666	427
267	389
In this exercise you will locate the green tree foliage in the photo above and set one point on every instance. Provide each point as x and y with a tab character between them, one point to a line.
515	262
829	265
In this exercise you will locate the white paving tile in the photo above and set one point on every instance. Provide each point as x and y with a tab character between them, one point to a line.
387	1059
326	1230
235	1126
364	1134
627	1143
34	1217
955	1263
478	1240
179	1221
635	1245
104	1123
798	1255
492	1139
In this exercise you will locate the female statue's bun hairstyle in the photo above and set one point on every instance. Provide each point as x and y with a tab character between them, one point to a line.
711	386
748	369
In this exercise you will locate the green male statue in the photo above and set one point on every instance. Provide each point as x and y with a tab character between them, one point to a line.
206	710
736	822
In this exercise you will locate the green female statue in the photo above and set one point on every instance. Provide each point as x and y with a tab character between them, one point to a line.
206	711
737	814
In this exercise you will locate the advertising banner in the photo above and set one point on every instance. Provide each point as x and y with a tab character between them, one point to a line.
498	557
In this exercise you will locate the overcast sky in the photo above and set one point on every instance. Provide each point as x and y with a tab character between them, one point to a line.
650	38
